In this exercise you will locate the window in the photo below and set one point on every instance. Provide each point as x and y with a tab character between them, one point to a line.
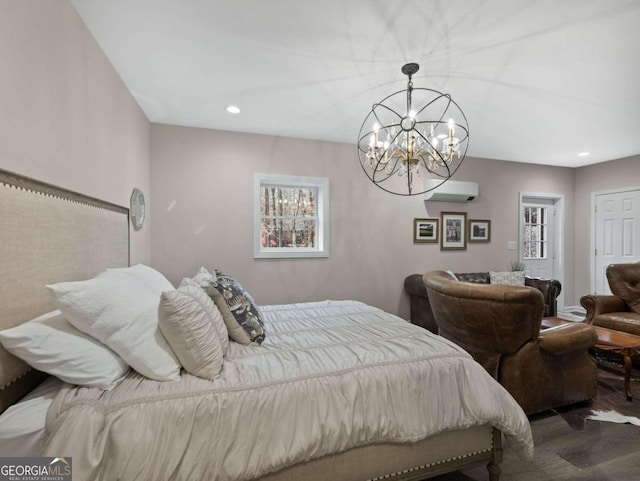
535	233
291	216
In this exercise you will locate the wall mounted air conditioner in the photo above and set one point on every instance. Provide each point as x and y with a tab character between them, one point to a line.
451	191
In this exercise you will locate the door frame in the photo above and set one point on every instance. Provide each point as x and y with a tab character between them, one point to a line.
592	254
558	234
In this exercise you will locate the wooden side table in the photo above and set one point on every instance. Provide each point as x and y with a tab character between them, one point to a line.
617	342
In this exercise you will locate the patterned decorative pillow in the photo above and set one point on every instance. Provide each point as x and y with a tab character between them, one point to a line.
238	309
515	278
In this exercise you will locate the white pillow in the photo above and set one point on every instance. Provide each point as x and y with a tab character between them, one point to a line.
203	277
191	333
452	275
120	311
149	276
50	344
515	278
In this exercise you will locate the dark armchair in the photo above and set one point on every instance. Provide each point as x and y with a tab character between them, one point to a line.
500	327
621	310
422	315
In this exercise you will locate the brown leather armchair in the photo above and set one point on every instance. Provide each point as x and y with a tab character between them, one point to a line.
422	315
500	327
620	311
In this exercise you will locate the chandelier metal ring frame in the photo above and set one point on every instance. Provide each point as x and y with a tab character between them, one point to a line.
398	145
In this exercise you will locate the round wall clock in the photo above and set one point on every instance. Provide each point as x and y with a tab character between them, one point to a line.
137	210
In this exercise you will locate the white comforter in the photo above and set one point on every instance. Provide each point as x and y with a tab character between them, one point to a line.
329	376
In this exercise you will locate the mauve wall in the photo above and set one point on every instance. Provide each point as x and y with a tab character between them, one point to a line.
66	118
610	175
202	198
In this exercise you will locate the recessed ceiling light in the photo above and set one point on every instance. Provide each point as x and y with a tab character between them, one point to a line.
232	109
583	154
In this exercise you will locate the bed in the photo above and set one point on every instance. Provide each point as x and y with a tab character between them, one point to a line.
337	390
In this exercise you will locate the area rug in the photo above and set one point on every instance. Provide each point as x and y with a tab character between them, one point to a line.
611	398
613	417
611	394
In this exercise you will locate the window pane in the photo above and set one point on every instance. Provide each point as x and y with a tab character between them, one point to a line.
288	201
288	233
270	234
534	250
534	236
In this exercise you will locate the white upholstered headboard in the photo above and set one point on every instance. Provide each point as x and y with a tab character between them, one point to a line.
48	235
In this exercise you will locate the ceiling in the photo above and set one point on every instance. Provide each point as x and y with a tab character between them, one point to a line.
538	80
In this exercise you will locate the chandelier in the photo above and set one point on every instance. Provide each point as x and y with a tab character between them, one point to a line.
414	140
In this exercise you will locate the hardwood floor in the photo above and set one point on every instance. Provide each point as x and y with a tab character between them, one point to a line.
568	447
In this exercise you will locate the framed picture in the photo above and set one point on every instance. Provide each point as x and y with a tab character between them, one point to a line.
479	230
453	235
425	230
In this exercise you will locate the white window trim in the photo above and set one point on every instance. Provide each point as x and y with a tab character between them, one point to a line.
322	211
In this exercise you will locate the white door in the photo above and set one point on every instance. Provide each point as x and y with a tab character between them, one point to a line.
617	233
537	238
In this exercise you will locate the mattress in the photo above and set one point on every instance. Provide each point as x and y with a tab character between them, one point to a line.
330	376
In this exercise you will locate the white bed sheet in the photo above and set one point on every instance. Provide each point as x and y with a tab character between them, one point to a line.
22	426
